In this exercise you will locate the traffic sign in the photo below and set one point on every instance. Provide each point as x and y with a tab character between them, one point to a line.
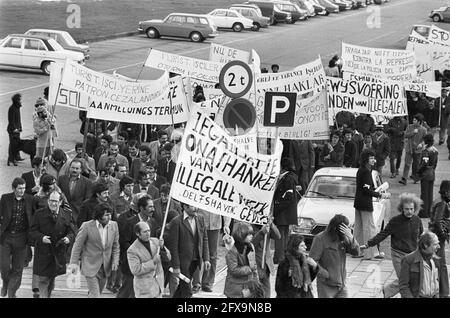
235	79
239	114
279	109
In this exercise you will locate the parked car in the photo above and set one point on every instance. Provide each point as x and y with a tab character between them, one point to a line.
196	27
230	19
329	6
342	4
35	52
441	14
306	6
64	39
423	30
332	191
318	9
293	9
252	12
269	9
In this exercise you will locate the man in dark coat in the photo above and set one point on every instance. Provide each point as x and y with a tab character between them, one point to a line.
143	185
100	194
14	128
364	123
285	206
75	187
139	163
396	131
187	241
364	228
302	152
16	213
33	177
333	152
445	114
52	231
166	165
350	150
382	146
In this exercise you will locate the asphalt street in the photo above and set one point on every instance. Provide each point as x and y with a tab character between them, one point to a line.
286	45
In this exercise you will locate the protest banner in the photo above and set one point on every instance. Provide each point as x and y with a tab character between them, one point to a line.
439	36
224	54
415	37
63	95
386	98
440	57
396	65
184	65
431	89
248	141
422	49
116	99
311	114
256	61
215	174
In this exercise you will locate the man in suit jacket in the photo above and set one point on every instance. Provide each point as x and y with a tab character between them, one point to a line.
421	271
97	244
302	152
113	154
140	162
155	179
75	187
166	165
187	241
33	177
143	186
156	145
127	236
145	263
16	212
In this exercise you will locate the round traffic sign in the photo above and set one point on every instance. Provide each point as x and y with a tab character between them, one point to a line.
235	79
239	114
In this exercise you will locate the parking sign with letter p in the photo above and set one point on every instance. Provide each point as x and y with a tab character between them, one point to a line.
279	109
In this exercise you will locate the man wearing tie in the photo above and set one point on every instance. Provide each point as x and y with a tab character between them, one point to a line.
187	242
97	244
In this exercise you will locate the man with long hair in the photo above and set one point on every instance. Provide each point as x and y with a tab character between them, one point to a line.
329	250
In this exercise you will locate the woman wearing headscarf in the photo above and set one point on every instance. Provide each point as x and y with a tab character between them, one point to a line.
296	272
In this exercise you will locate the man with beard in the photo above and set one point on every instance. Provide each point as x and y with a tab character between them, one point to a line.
14	128
52	231
100	194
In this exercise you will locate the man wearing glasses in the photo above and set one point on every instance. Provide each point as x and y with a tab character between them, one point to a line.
52	231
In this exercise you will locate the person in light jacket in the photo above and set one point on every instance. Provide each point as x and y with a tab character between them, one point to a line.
145	264
329	250
43	125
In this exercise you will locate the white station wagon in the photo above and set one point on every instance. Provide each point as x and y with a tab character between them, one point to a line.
36	52
230	19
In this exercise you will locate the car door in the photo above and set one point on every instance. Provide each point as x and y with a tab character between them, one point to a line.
232	18
220	18
169	26
191	24
34	52
446	15
11	51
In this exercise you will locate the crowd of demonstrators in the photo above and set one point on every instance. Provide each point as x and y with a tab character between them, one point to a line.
120	190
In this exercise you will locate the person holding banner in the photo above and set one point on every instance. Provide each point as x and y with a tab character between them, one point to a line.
43	125
239	267
285	206
187	241
414	135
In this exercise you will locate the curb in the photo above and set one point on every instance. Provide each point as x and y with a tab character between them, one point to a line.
107	37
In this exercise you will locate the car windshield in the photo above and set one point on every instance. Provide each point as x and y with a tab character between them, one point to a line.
68	38
55	45
332	187
422	30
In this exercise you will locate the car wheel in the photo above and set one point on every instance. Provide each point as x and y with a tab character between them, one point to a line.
152	33
196	37
256	27
45	67
436	18
237	27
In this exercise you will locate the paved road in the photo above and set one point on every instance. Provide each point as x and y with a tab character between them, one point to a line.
286	45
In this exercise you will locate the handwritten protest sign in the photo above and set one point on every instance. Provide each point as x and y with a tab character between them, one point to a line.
311	114
439	36
441	57
215	174
422	49
224	54
386	98
143	102
397	65
186	66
